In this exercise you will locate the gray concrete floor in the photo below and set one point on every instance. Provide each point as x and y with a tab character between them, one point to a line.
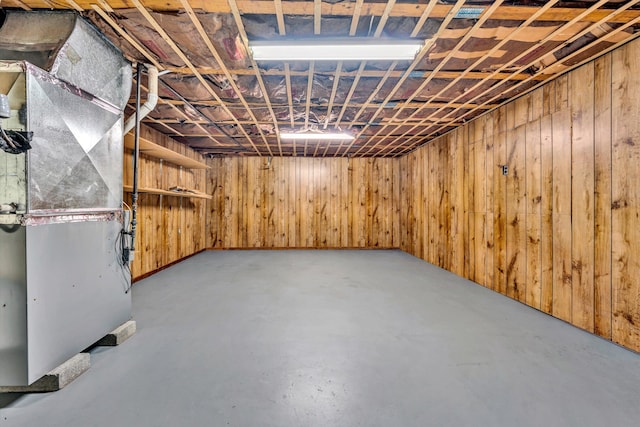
338	338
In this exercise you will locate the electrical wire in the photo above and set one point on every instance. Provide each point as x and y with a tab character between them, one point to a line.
8	140
120	245
15	142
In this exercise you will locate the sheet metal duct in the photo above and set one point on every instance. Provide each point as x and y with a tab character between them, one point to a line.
70	49
63	283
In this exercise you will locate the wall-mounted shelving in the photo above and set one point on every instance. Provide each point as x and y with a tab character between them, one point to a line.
180	193
157	151
164	154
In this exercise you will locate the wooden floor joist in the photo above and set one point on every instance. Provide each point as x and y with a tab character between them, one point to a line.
390	106
297	8
566	58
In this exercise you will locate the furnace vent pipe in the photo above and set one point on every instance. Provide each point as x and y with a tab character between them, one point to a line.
152	99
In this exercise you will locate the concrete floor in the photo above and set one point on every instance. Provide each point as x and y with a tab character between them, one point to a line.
344	338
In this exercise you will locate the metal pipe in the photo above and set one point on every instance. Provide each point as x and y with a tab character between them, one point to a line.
152	98
136	154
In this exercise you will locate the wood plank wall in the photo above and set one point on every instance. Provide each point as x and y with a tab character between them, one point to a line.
169	227
561	231
290	202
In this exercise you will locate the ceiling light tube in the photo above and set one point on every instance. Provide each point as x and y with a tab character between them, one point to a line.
317	136
332	49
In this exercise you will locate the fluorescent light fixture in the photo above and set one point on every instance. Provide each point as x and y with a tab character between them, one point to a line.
336	49
317	136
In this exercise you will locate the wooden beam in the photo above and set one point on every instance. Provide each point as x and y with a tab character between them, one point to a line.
472	75
282	29
267	7
378	32
391	68
205	38
544	71
205	135
317	16
338	73
118	29
423	51
22	5
477	25
75	5
186	60
254	65
393	105
495	48
394	124
105	6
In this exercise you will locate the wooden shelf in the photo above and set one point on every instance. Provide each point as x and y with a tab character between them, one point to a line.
154	150
188	193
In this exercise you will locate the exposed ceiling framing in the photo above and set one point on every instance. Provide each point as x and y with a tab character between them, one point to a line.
217	99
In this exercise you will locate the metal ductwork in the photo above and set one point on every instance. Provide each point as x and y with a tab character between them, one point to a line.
69	49
63	281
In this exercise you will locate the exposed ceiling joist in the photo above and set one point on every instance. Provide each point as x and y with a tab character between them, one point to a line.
216	98
297	8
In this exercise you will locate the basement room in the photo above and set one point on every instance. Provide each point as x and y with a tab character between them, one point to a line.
319	213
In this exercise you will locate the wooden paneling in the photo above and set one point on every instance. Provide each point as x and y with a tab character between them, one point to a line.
516	244
456	200
625	195
602	202
489	181
546	210
169	227
582	190
560	231
533	181
561	216
303	203
499	203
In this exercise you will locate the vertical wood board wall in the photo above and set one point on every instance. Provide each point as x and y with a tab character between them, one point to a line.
290	202
169	227
561	231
